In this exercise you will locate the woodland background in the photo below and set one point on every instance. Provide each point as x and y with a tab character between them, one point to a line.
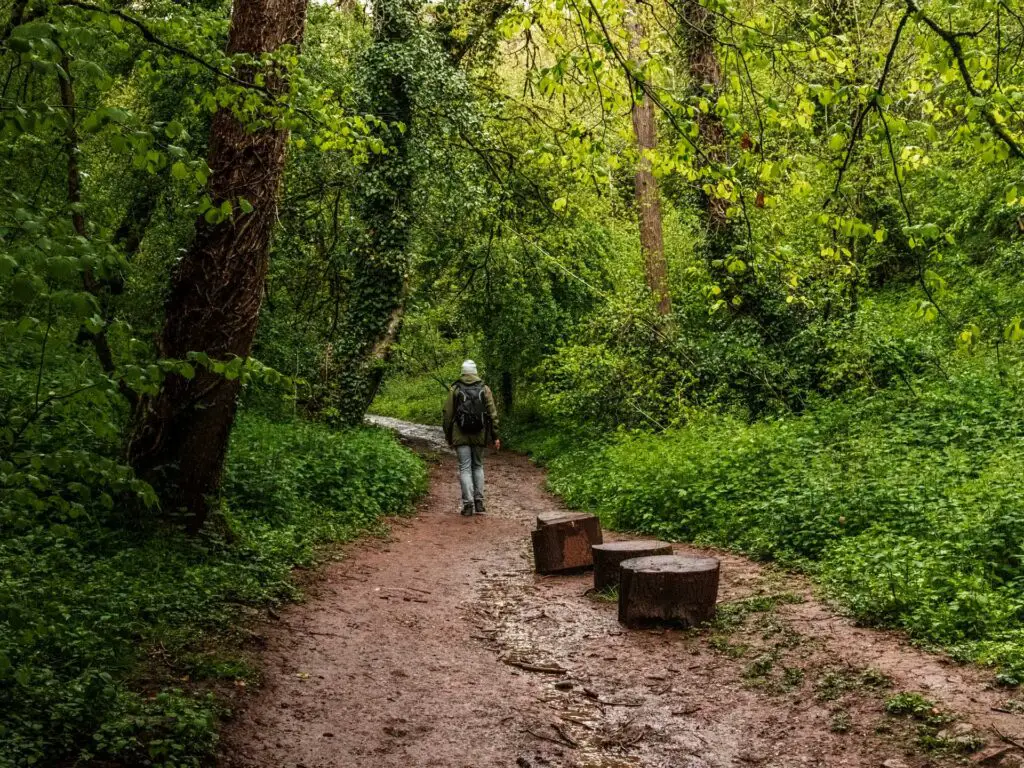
744	272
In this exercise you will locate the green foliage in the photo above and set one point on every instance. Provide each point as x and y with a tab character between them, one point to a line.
418	399
906	505
428	361
837	387
619	371
94	613
731	613
915	705
321	483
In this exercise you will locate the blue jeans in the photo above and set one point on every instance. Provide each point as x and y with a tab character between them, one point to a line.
471	472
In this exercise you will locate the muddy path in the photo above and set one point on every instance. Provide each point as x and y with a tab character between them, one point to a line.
406	653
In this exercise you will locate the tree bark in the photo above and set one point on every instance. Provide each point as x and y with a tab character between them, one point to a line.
608	557
590	522
706	77
383	203
563	543
648	200
669	588
507	392
181	434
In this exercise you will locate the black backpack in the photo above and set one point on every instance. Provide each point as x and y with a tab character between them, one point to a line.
469	407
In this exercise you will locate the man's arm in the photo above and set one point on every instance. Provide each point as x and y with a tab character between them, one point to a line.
448	415
492	411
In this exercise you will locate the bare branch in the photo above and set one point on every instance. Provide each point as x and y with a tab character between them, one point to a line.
952	39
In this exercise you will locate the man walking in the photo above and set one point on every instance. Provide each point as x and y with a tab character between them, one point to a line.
470	423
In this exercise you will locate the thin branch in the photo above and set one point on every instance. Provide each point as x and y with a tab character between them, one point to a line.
17	19
872	102
474	37
99	340
40	407
895	165
952	39
42	351
645	86
151	37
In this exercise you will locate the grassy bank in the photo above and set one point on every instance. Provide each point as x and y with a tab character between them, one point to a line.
109	635
906	505
418	399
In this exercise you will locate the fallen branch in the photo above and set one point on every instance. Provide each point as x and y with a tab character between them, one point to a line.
577	720
620	703
560	741
560	729
1007	739
555	670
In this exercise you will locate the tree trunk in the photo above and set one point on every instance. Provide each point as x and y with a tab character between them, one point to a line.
648	201
181	434
608	557
588	521
563	543
669	588
384	205
698	29
507	392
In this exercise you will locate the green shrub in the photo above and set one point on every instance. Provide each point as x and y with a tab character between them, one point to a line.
83	601
907	505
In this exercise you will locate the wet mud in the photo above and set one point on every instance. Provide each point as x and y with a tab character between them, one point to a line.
439	646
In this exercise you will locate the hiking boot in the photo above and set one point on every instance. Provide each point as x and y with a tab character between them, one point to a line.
467	510
479	505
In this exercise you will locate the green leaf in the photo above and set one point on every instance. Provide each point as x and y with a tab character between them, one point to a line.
7	265
1014	332
174	129
23	676
233	368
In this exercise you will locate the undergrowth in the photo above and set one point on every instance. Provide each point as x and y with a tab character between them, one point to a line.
418	398
906	505
112	636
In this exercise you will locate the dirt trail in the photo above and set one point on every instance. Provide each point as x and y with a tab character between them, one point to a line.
404	655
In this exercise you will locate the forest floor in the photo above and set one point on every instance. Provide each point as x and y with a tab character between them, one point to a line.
405	654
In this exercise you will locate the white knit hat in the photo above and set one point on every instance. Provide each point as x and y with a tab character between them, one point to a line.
469	367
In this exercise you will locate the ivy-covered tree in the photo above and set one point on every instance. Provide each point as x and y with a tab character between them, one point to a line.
181	434
383	203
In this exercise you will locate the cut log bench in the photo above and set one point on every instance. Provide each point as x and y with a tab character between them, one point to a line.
547	518
609	555
563	541
668	588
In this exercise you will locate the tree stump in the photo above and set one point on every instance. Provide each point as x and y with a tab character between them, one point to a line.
563	544
609	555
670	588
547	518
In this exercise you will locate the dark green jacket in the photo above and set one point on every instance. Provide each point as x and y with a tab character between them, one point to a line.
485	436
